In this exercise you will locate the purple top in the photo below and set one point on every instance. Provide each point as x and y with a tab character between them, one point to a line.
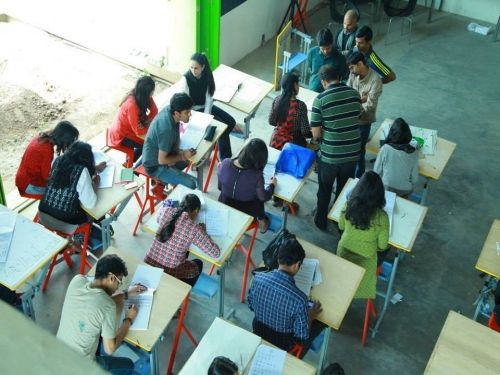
243	185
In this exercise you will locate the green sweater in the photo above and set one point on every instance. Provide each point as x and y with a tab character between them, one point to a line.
361	246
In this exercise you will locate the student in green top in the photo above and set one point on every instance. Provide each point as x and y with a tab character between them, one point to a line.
365	227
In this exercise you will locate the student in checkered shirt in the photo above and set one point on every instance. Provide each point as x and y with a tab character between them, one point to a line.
282	313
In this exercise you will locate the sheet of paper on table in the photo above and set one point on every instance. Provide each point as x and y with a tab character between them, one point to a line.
215	220
107	177
309	104
193	132
268	361
7	226
308	275
269	171
249	91
100	156
148	276
225	92
390	202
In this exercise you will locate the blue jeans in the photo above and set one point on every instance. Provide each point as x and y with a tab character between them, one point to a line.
174	175
364	133
116	365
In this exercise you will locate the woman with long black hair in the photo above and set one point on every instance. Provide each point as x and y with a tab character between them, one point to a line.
177	232
289	115
136	112
365	227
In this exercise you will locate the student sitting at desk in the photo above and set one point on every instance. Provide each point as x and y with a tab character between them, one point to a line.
198	82
72	184
162	157
177	232
397	161
241	182
33	173
324	54
289	115
136	112
366	230
282	315
89	312
223	366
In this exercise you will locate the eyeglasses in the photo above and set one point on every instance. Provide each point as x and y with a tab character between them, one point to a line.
117	279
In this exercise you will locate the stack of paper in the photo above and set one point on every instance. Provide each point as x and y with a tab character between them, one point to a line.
308	275
268	361
150	278
390	202
193	132
7	226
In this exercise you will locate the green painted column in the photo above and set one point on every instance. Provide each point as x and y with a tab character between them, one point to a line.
2	193
208	29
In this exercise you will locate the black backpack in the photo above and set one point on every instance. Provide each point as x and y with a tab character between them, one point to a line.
270	253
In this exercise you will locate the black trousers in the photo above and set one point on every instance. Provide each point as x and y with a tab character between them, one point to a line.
327	174
224	142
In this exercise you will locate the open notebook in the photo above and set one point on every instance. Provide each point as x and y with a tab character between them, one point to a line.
7	226
149	277
308	275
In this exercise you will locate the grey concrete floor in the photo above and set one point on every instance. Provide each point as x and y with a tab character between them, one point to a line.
447	79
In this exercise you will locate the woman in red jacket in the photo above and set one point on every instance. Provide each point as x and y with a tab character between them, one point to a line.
136	112
33	172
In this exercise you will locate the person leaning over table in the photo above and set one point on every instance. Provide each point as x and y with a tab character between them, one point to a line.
89	312
136	112
241	182
177	232
222	366
282	314
365	227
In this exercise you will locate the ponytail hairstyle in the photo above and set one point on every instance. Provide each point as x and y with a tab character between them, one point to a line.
288	90
142	91
190	203
206	74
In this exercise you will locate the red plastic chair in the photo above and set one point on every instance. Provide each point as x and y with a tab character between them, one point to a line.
66	253
369	311
128	151
180	327
247	251
492	323
305	16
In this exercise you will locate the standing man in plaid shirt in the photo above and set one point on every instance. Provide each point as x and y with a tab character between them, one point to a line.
282	314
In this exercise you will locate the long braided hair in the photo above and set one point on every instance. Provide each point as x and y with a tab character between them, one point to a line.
190	203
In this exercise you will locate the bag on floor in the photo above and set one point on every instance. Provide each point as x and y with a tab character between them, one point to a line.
270	253
295	160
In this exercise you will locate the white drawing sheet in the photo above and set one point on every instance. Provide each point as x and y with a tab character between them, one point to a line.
222	339
268	361
216	221
249	91
148	276
308	275
100	156
107	177
144	304
7	226
225	92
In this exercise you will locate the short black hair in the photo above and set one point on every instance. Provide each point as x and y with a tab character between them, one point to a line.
356	57
324	37
254	155
110	264
180	102
290	252
329	73
365	32
222	366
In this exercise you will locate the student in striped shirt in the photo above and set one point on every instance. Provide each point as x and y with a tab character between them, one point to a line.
335	120
364	45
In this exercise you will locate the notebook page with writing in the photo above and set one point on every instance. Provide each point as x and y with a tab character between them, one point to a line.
144	304
7	226
268	361
304	278
107	177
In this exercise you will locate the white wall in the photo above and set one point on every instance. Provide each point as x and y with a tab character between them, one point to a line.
123	29
242	28
483	10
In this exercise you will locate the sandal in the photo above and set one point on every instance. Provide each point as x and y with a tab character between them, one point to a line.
264	225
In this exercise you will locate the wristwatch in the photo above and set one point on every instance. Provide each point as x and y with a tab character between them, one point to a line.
130	320
125	294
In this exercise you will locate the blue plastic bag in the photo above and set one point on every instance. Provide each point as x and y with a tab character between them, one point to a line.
295	160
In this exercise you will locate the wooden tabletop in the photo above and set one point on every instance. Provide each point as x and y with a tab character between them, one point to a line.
465	347
27	348
32	246
431	166
226	339
288	186
205	146
341	279
406	221
167	299
224	72
108	198
489	259
238	220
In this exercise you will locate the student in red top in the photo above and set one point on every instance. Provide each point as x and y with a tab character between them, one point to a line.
33	172
178	231
136	112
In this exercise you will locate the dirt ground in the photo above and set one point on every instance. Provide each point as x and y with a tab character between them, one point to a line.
44	79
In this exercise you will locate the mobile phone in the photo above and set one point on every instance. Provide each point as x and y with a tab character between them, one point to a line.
310	304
